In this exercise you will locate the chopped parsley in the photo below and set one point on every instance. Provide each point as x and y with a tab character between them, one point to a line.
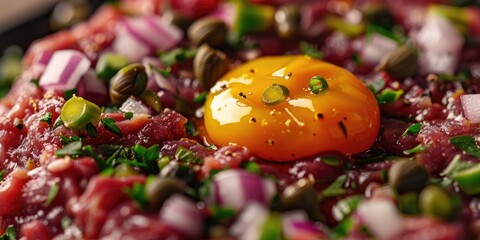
68	139
137	194
91	130
389	96
419	148
336	188
413	129
47	117
467	144
200	98
252	167
109	124
176	55
52	194
57	123
310	50
190	128
318	85
186	155
128	115
146	158
69	93
70	149
10	233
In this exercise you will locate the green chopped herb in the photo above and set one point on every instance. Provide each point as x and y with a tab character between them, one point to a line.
35	82
467	144
187	156
377	85
191	129
395	33
47	117
66	140
72	148
330	160
343	208
108	172
69	93
419	148
318	85
52	194
200	98
128	115
413	129
336	188
310	50
456	165
176	55
343	228
57	123
389	96
272	228
66	222
252	167
137	194
146	158
91	130
88	151
2	174
222	213
109	124
164	72
275	94
10	233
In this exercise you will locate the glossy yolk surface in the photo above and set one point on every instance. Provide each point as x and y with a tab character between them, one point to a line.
345	118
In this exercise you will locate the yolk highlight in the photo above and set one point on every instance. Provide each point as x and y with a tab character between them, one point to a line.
343	118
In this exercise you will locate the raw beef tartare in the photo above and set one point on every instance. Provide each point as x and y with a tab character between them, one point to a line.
248	119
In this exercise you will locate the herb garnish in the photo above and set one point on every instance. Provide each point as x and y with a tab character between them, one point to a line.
137	193
336	188
467	144
2	173
310	50
57	123
176	55
47	117
10	233
191	129
318	85
200	98
419	148
187	155
389	96
72	148
91	130
413	129
109	124
52	194
146	158
128	115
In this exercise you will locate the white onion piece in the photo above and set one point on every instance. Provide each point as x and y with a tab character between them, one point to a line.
249	224
471	107
236	188
182	214
92	88
135	106
381	217
441	45
141	36
154	77
375	48
64	70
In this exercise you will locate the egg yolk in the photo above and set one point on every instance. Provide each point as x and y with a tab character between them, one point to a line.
345	117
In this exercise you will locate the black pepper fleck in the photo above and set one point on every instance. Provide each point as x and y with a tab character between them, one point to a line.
253	120
252	70
242	95
344	129
270	142
320	116
290	74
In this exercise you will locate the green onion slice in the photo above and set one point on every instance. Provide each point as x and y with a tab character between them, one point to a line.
318	85
275	94
78	112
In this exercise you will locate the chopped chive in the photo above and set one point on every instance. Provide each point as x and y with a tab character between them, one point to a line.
52	194
419	148
191	129
389	95
72	148
109	124
57	124
467	144
91	130
275	94
2	174
128	115
200	98
318	85
187	155
336	188
47	117
252	167
413	129
310	50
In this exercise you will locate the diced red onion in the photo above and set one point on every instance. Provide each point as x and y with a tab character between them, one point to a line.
471	107
225	12
236	188
141	36
296	223
43	58
375	47
183	215
381	217
64	70
135	106
311	24
92	88
441	45
155	79
249	223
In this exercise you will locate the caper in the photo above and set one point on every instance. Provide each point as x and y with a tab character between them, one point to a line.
400	63
407	176
208	30
300	195
408	203
151	99
209	65
160	189
125	170
177	19
435	202
129	81
287	20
